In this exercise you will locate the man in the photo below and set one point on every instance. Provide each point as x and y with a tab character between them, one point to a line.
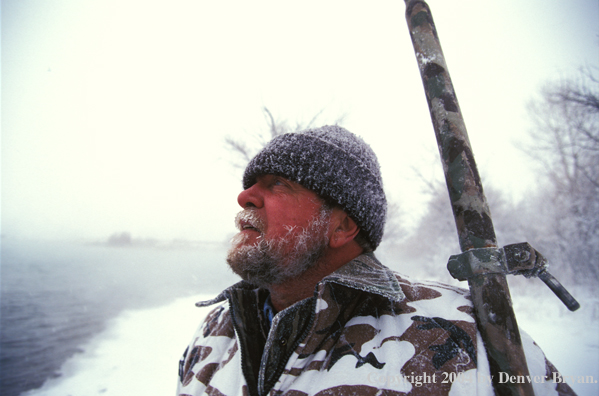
316	313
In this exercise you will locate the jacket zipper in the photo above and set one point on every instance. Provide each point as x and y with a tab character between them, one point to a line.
237	333
283	362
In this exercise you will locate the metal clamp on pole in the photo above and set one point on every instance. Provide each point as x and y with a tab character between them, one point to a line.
522	259
516	259
476	262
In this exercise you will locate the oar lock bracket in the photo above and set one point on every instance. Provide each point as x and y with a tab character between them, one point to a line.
516	259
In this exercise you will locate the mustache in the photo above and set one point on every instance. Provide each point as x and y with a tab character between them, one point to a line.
249	218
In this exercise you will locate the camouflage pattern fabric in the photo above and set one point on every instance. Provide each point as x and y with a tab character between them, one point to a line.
366	331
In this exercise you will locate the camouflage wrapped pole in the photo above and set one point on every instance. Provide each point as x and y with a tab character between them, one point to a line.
490	293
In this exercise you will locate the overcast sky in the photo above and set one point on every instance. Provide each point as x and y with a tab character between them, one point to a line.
114	112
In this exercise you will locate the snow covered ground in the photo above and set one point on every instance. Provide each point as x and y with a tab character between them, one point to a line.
139	353
570	340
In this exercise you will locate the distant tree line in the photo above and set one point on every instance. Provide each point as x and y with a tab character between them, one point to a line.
566	146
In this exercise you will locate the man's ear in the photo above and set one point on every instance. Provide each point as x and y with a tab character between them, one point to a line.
344	229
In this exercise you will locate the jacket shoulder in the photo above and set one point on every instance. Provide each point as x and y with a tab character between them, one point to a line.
436	299
212	347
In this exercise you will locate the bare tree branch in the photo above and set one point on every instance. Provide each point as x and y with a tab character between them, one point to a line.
243	150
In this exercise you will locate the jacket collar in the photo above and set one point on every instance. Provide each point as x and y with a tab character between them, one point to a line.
367	274
363	273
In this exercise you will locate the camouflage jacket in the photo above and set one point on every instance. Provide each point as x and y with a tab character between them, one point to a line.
366	330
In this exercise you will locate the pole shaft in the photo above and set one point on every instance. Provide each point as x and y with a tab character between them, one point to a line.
490	293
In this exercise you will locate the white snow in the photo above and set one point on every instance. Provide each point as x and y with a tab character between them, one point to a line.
137	355
570	340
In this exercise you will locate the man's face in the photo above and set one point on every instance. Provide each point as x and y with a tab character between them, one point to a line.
283	231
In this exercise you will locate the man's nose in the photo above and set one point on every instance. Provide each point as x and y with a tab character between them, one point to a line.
250	197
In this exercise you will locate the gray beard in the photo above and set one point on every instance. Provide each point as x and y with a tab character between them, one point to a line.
266	263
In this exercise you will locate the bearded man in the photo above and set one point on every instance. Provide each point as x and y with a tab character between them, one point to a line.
316	313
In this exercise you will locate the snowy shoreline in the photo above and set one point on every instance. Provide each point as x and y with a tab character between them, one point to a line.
117	361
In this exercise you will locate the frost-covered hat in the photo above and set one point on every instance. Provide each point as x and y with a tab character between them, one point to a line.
335	164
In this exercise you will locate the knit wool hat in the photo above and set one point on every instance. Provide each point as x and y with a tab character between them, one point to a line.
335	164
